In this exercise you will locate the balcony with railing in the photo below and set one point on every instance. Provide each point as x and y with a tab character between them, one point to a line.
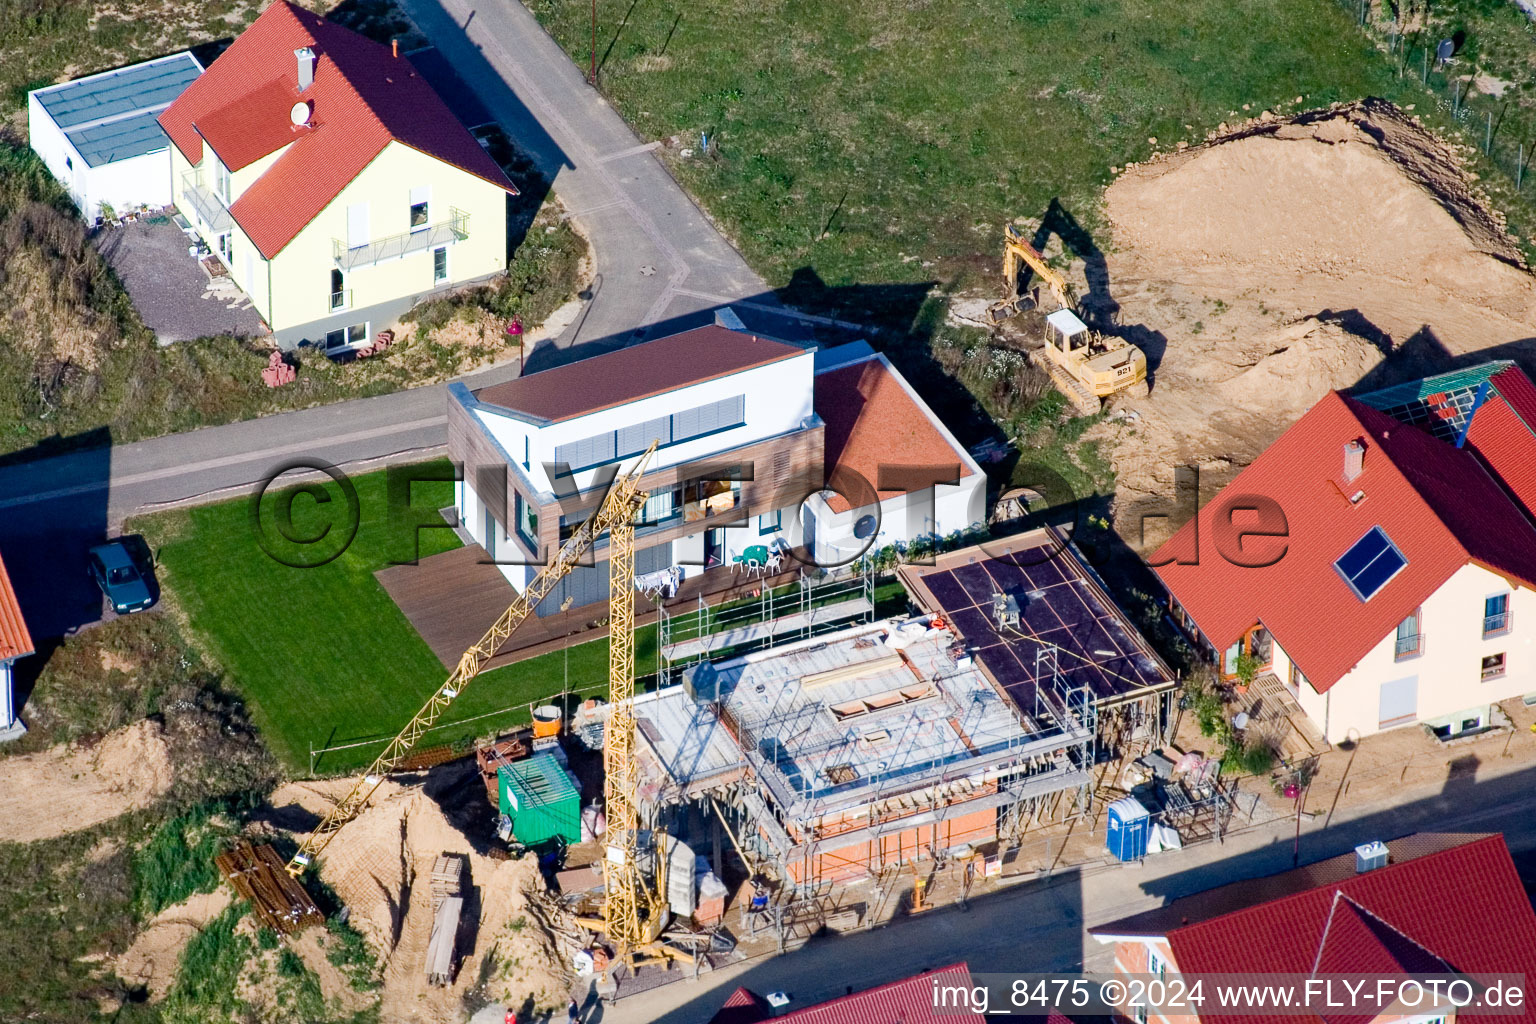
1409	646
1496	623
446	232
341	300
204	202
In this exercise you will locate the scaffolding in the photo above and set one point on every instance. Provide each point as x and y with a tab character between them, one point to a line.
815	602
809	795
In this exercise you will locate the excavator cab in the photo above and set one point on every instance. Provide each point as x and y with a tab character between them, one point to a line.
1066	333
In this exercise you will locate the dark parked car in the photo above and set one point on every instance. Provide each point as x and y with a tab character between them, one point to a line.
120	576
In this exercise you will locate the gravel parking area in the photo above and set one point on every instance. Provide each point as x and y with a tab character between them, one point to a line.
170	290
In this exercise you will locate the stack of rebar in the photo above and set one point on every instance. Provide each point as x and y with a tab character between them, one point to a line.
258	874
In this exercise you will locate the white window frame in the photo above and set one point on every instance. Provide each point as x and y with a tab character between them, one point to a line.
420	195
447	251
347	346
330	299
222	187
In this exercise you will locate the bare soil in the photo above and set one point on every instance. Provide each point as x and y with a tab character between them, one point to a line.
380	866
153	958
96	781
1335	249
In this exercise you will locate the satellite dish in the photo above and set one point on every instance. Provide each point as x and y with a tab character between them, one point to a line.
1446	50
299	115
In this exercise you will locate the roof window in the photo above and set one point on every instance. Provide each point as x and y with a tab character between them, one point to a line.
1369	563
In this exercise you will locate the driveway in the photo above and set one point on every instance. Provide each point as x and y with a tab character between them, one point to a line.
659	259
170	290
636	215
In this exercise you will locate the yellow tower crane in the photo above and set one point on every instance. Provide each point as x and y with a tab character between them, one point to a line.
630	916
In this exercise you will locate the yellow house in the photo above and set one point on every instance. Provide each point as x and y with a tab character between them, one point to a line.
331	180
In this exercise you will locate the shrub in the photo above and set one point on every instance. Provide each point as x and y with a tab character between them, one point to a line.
178	859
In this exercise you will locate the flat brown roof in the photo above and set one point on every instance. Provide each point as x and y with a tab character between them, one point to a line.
639	371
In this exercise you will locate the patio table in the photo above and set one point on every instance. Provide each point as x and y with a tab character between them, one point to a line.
757	554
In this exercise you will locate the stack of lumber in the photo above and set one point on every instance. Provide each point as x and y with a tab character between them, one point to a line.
447	879
442	946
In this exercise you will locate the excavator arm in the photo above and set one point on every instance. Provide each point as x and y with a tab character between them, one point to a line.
1016	248
615	513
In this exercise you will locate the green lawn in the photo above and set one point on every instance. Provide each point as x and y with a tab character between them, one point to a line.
863	140
876	143
322	655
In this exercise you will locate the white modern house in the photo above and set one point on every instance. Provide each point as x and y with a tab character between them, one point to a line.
100	136
894	472
1391	578
751	433
15	643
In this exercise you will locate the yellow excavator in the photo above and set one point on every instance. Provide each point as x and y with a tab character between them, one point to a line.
1085	365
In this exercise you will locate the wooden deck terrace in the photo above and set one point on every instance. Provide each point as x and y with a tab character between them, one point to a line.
452	599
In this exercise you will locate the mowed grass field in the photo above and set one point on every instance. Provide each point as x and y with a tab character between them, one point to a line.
874	142
321	655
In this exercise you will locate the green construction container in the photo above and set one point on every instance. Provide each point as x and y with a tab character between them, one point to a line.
541	799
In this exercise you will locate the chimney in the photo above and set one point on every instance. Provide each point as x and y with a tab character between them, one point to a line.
1354	460
306	59
394	47
1370	856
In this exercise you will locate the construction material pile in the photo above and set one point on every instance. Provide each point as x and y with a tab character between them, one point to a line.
1289	257
390	868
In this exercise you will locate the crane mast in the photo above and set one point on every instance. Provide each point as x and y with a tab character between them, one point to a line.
616	515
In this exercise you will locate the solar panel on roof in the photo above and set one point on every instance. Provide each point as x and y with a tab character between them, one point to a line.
1370	562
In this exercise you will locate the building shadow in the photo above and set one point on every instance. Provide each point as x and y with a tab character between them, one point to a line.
992	933
1466	804
901	323
44	541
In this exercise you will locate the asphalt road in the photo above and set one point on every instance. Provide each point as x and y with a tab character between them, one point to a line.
1040	926
662	266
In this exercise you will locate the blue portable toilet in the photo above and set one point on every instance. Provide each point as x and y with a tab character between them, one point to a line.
1129	826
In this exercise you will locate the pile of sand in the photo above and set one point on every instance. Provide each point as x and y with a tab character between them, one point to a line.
75	786
380	866
1287	258
152	959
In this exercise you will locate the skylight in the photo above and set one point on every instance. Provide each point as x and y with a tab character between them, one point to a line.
1369	563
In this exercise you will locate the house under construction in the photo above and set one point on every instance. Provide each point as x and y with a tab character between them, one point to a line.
1030	609
834	757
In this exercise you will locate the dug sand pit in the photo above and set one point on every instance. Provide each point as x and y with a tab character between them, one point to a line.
78	785
1291	257
152	960
380	864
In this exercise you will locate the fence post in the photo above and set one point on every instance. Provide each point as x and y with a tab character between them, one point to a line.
1488	139
1519	166
1426	65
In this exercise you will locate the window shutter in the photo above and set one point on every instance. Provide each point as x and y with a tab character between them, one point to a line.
685	424
420	194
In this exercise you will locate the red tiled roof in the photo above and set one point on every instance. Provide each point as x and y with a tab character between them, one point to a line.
15	641
1437	503
742	1006
909	1001
639	371
363	98
871	422
1464	907
1501	432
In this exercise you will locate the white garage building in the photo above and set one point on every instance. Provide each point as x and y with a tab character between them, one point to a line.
99	137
